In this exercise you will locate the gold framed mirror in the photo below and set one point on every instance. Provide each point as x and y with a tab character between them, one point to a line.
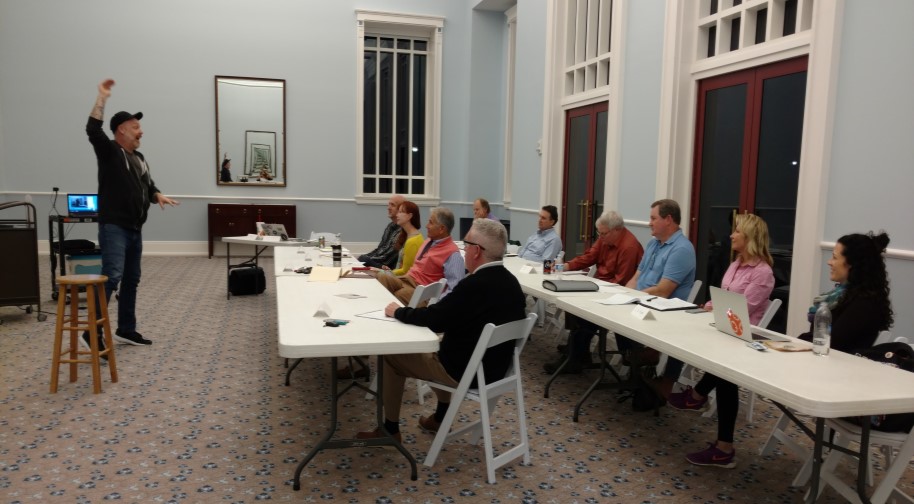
250	131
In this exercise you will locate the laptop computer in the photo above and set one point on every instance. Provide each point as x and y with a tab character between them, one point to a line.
731	316
278	230
82	205
274	230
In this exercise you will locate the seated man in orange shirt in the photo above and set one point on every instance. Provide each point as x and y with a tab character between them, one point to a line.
438	258
616	255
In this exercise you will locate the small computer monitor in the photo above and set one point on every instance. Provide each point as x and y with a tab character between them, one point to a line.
467	222
82	205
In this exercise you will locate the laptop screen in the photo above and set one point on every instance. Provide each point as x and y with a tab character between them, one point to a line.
82	205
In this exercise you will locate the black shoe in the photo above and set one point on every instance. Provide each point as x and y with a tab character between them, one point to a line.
132	338
84	342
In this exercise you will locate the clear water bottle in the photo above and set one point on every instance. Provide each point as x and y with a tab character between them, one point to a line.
559	265
821	336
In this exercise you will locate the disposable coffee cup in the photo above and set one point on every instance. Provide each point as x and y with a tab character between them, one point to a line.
337	255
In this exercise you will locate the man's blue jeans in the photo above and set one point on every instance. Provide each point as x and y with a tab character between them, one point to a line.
122	250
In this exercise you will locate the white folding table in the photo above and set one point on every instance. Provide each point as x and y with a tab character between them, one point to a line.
838	385
303	335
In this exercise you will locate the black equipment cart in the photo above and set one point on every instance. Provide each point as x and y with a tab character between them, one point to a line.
19	257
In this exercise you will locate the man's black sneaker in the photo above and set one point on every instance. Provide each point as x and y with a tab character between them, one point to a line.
131	338
84	342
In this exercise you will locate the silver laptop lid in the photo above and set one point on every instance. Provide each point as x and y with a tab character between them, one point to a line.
731	316
275	230
731	313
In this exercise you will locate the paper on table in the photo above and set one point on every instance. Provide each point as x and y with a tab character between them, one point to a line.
324	274
664	304
376	315
789	346
620	299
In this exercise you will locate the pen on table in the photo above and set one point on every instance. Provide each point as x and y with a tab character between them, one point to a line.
651	298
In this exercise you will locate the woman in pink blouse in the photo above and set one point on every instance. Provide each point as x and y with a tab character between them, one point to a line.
749	274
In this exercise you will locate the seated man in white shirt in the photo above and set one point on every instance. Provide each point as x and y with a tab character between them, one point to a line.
545	242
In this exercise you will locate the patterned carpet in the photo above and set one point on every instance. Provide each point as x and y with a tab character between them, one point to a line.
203	416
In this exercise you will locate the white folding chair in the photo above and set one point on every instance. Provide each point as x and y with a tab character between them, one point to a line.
779	433
888	442
661	364
487	395
688	372
430	293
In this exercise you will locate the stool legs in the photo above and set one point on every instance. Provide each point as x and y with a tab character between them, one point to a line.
73	325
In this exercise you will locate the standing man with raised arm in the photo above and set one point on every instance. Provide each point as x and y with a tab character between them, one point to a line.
125	192
386	253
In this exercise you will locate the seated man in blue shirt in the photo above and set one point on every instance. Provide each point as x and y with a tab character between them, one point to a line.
666	270
545	242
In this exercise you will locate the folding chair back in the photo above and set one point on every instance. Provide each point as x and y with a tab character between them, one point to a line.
487	395
428	292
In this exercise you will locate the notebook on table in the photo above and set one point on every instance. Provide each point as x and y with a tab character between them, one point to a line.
82	205
731	316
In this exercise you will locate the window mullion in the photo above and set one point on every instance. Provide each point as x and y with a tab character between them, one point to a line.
377	120
409	136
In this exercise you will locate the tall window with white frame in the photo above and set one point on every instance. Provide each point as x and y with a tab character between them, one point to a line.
394	141
398	148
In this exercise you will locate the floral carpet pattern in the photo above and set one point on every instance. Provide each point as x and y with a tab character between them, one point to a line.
203	416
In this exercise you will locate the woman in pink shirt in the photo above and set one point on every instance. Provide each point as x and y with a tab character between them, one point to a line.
749	274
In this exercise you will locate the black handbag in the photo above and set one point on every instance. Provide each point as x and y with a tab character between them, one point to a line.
247	280
901	356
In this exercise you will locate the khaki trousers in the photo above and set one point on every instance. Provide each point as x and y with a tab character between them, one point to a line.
397	368
401	287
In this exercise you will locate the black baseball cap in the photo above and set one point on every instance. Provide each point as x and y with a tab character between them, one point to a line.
122	117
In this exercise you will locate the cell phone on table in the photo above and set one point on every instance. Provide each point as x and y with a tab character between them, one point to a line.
696	310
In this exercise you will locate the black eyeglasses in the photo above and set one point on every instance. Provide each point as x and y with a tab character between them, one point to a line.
467	242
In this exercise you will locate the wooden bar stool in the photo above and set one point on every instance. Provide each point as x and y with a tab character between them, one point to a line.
68	287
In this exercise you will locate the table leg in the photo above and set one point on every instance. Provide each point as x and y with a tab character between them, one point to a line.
414	473
327	442
604	366
290	369
862	459
228	269
296	482
555	375
816	460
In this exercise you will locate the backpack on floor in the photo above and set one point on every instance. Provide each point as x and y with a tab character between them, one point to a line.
247	280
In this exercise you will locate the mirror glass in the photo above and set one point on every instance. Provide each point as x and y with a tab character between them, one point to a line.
250	131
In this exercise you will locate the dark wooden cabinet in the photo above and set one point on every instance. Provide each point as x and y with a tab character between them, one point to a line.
237	219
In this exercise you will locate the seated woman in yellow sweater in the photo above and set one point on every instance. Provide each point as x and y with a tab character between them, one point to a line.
410	238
